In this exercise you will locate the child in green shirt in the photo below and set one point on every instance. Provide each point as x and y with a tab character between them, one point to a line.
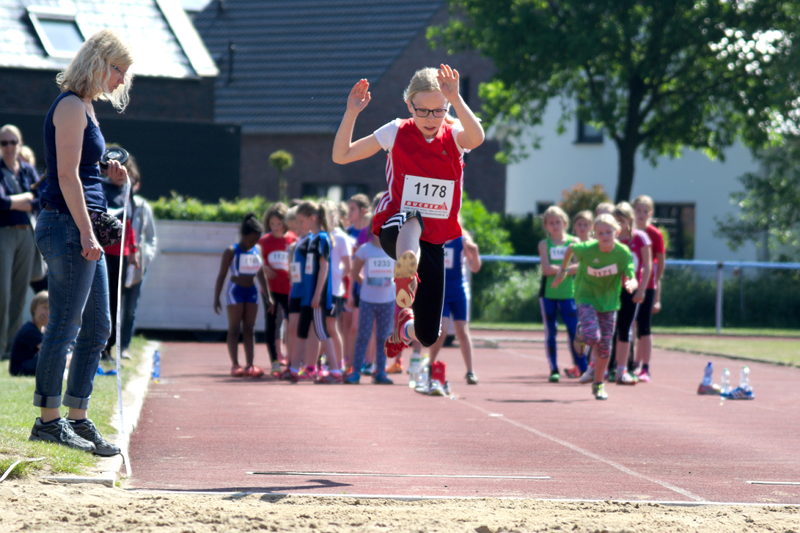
604	265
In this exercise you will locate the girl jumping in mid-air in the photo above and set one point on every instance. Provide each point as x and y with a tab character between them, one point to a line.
243	262
424	172
603	265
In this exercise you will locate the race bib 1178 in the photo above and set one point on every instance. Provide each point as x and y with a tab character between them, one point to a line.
433	198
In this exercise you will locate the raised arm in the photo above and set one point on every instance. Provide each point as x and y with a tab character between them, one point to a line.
473	134
344	149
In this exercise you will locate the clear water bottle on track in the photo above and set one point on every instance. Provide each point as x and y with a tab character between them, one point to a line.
744	379
725	382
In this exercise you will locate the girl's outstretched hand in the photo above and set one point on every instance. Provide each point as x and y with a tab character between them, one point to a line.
448	82
359	96
631	285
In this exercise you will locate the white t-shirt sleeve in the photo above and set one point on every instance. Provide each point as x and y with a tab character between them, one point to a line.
386	134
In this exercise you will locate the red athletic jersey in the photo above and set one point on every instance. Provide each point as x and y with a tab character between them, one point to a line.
274	251
430	174
657	241
638	240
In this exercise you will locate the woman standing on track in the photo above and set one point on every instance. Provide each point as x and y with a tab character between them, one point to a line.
424	172
603	265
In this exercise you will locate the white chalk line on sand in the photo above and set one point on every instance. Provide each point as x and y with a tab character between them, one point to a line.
591	455
788	483
379	474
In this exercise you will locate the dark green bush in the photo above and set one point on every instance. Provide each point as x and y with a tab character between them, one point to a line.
178	207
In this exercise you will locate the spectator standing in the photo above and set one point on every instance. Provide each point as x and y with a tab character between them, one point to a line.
17	206
144	229
72	199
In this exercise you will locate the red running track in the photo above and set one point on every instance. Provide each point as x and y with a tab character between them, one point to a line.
514	435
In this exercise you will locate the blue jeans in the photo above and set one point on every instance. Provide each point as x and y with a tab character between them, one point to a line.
368	314
79	314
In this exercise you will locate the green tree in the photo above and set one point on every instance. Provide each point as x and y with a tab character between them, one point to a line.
768	206
282	161
579	198
655	75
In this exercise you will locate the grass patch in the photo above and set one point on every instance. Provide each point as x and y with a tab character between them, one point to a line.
17	415
785	351
667	330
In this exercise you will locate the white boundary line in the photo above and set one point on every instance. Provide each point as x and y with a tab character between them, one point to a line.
591	455
774	483
378	474
406	497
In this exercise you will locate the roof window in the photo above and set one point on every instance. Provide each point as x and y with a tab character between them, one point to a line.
57	29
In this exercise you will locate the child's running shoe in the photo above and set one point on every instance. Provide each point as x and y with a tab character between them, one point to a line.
394	344
253	371
471	378
644	376
288	375
237	371
573	372
611	376
382	379
308	373
599	391
368	369
739	393
588	376
352	378
396	367
555	377
626	378
276	369
329	378
406	279
437	388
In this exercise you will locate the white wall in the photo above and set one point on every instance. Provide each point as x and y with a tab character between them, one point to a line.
179	290
560	163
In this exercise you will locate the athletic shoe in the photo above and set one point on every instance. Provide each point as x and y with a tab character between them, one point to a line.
739	394
60	432
237	371
308	373
382	380
253	371
599	391
555	377
573	372
328	379
368	369
395	368
644	376
85	429
611	376
288	375
394	344
276	369
712	390
405	279
626	378
437	388
588	376
471	378
353	378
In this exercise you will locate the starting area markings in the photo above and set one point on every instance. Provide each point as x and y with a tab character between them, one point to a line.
386	474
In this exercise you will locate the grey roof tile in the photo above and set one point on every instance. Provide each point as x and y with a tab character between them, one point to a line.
316	47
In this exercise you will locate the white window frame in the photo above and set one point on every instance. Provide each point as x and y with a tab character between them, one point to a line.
37	13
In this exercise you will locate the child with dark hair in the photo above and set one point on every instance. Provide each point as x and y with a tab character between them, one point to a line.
243	262
25	348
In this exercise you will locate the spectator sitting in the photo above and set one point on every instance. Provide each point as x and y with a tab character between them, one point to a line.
25	348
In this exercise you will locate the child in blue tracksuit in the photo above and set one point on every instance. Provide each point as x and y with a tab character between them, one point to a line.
316	294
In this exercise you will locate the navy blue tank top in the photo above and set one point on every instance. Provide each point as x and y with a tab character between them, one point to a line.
88	170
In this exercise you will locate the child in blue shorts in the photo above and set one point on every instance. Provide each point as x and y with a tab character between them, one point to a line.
242	261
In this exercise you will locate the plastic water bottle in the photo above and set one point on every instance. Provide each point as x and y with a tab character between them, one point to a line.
744	379
708	375
725	382
156	375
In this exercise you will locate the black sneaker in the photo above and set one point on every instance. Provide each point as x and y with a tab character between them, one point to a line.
88	431
60	432
471	378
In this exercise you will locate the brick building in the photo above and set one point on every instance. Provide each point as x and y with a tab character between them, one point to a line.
285	72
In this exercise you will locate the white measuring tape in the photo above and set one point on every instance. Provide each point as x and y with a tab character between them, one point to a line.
118	342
